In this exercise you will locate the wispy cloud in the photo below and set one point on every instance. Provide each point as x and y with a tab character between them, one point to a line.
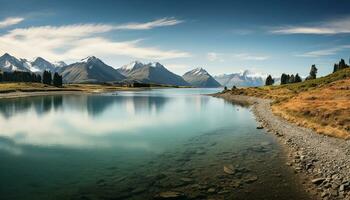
150	25
242	31
10	21
324	52
321	28
81	40
212	56
245	56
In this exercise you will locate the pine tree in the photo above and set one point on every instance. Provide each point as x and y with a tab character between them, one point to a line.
284	79
269	80
297	78
291	79
336	67
57	80
313	72
47	77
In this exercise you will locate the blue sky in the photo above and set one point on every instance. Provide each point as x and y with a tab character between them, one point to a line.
221	36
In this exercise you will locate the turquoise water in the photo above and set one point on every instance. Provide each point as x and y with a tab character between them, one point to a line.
133	145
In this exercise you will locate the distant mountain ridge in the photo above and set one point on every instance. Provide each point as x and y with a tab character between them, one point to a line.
9	63
199	77
93	70
246	78
151	73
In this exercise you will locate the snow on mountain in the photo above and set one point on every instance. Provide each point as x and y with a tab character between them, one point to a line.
130	67
59	64
199	77
10	63
246	78
153	72
90	70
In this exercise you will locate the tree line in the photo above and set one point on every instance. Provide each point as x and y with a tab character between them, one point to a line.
287	79
19	76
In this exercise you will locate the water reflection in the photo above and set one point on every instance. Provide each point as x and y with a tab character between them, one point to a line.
93	105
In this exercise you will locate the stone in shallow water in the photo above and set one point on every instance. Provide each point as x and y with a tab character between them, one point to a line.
187	180
170	195
250	178
229	169
211	190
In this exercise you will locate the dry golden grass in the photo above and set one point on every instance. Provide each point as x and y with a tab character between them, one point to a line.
325	109
322	104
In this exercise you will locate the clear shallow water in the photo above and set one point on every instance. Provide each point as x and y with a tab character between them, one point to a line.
134	145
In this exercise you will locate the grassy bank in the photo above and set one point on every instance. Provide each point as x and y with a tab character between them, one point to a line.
322	104
39	87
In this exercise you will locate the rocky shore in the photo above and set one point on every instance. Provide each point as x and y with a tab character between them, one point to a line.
323	161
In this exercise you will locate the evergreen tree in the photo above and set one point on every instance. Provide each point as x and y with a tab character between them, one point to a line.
336	67
57	80
340	65
313	72
284	79
269	80
291	79
297	78
1	79
47	77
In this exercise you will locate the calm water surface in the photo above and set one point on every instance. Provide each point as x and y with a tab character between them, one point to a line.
136	145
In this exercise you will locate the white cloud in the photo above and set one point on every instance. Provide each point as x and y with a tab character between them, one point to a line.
324	52
328	27
10	21
150	25
213	56
80	40
245	56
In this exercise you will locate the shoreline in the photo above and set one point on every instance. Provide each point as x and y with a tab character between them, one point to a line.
21	94
323	161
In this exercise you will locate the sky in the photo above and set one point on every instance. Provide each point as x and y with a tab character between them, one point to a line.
221	36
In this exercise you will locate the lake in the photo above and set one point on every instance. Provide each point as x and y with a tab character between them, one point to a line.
138	145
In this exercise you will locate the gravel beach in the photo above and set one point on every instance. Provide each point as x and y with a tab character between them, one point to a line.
323	161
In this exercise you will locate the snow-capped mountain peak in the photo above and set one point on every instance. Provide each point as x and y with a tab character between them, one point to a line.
252	74
59	64
133	65
90	59
155	64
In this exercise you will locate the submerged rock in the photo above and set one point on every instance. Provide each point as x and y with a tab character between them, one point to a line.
170	195
229	169
250	178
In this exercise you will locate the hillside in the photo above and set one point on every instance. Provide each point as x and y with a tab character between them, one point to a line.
89	70
154	73
322	104
199	77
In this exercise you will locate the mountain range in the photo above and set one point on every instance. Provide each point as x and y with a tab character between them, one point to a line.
94	70
245	78
10	63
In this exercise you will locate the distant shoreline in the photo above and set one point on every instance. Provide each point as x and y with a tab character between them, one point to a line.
18	90
323	161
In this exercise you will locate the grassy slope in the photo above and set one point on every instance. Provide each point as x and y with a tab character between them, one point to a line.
322	104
